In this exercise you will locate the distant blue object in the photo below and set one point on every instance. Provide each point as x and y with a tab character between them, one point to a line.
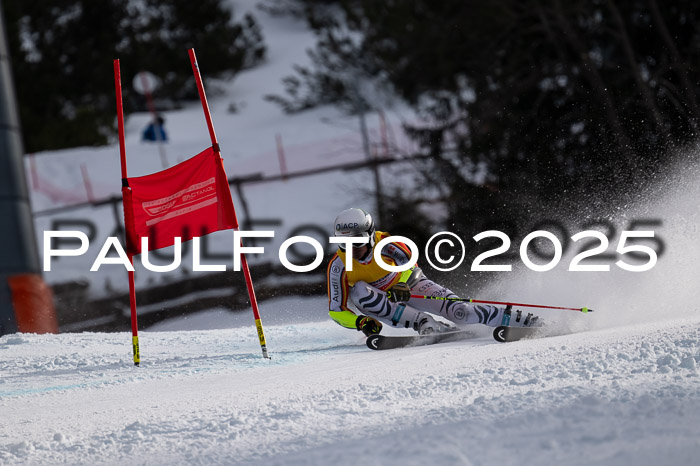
155	131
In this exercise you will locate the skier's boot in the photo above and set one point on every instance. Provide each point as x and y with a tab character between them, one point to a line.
530	320
425	325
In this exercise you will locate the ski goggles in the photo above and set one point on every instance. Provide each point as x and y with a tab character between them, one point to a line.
358	245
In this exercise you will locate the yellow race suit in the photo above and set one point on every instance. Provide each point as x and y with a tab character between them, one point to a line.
341	280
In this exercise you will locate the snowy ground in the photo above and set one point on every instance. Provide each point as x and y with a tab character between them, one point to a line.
619	396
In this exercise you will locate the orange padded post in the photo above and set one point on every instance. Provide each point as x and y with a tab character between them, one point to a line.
33	304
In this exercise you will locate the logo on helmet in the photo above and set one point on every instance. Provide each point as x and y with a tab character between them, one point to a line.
346	226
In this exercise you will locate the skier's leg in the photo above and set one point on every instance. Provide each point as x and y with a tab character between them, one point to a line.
459	312
373	302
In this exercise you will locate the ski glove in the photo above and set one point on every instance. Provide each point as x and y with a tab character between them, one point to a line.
400	292
368	325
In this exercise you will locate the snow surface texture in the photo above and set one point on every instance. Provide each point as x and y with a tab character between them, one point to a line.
620	396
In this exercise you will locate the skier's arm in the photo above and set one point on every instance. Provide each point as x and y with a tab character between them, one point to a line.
338	294
338	309
401	254
346	318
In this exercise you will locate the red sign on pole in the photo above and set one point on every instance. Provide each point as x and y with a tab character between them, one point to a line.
190	199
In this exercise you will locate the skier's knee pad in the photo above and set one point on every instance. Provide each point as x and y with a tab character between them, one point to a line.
370	300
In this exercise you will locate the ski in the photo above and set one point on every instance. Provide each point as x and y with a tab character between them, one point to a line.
383	342
506	334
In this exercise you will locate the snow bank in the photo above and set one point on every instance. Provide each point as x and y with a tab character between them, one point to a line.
619	396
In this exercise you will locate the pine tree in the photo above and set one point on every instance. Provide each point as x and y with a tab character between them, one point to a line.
62	52
553	99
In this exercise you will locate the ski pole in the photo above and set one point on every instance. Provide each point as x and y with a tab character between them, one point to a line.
479	301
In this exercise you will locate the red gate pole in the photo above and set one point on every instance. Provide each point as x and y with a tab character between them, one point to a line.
125	195
215	146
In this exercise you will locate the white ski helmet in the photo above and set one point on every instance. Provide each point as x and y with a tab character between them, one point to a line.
354	222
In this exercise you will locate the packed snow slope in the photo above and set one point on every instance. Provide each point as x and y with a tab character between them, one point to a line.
619	386
626	395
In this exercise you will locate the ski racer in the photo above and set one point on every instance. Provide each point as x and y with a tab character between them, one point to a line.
382	296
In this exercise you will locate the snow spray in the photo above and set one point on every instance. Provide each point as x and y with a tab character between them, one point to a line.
669	290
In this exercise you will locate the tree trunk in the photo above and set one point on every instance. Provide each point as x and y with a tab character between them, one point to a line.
644	89
677	63
598	86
